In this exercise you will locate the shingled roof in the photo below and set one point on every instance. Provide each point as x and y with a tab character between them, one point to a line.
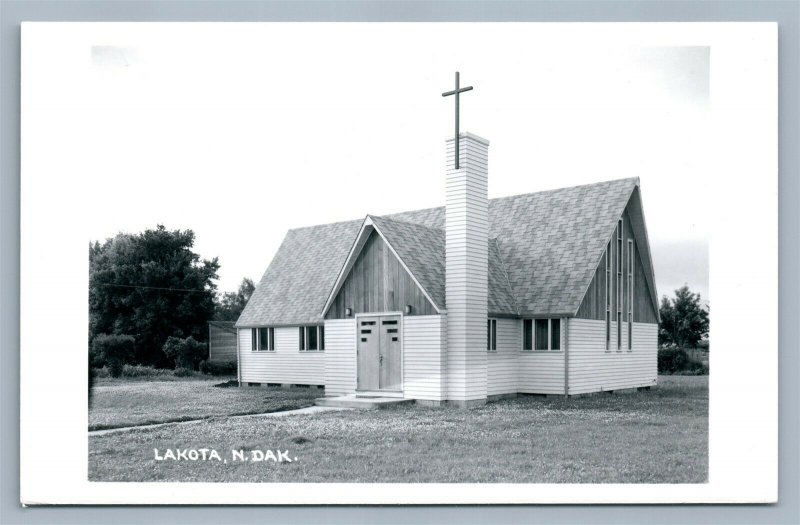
543	250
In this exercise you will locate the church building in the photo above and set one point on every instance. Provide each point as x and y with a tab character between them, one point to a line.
550	292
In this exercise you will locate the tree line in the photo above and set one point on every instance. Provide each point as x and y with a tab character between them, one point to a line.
151	297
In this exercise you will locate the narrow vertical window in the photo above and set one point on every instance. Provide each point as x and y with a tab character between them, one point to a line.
631	252
302	338
322	338
541	334
608	296
527	334
555	334
491	335
619	285
254	339
272	338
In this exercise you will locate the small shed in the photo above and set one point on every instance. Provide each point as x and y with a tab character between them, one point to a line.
222	341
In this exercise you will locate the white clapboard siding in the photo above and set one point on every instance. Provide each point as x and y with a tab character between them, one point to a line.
340	357
542	372
424	337
501	374
593	369
287	364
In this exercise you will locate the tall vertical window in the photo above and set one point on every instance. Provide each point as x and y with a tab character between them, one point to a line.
608	296
263	339
541	334
312	338
619	285
491	335
631	248
555	334
527	334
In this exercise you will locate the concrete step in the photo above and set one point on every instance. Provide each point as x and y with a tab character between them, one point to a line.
365	403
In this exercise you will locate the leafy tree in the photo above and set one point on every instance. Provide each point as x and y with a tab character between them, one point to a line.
114	351
230	304
153	286
684	321
187	353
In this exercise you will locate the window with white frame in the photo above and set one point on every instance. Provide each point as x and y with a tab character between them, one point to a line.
263	339
312	338
491	335
541	334
631	251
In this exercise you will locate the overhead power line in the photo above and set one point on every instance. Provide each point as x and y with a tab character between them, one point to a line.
153	288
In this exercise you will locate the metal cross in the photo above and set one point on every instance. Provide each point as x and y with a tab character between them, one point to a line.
457	91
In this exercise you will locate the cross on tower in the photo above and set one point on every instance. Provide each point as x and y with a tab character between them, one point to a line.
457	91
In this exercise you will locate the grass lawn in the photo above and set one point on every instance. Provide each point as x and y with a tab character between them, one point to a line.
660	436
125	402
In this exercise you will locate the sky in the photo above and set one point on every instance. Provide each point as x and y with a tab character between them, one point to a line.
242	132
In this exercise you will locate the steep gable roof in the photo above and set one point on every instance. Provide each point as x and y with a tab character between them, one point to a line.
422	250
546	244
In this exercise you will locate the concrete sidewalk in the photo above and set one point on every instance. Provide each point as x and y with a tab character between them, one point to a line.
296	412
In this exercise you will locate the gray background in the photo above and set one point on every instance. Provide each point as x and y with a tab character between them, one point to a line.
785	12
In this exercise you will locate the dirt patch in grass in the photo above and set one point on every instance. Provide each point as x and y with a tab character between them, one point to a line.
658	436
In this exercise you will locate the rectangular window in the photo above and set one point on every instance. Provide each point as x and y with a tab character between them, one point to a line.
541	334
608	296
263	339
619	285
555	334
312	338
491	335
631	252
527	334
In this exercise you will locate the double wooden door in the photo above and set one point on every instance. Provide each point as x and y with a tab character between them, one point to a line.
379	353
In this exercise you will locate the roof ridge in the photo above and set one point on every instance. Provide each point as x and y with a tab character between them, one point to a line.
418	224
391	216
553	190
